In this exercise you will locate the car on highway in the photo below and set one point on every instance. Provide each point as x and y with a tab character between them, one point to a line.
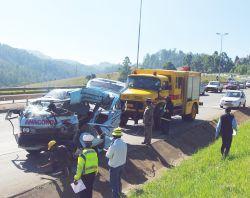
233	98
202	89
248	84
214	86
242	84
232	85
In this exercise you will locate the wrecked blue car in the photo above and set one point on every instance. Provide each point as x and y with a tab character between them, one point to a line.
94	109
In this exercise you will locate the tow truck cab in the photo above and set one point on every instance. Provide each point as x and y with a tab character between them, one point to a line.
182	86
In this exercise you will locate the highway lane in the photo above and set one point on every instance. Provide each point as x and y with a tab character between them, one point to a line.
19	172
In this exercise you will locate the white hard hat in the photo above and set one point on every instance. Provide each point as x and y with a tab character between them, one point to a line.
87	138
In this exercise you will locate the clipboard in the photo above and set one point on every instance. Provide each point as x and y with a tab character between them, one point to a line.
78	187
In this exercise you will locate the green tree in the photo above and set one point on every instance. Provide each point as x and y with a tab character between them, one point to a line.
125	69
169	66
188	59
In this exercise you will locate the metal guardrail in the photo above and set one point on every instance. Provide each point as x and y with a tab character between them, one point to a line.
38	88
29	96
19	97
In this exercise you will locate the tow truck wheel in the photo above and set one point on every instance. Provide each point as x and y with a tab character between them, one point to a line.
192	115
33	152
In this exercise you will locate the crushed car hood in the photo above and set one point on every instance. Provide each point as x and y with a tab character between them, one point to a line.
37	116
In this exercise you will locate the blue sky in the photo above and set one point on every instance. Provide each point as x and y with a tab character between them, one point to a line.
93	31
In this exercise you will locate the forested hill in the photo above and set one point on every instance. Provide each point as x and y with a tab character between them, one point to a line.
198	62
18	67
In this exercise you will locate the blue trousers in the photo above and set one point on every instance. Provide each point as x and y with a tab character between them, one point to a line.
115	181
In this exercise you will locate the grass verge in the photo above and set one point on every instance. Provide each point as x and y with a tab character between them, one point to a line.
206	174
77	81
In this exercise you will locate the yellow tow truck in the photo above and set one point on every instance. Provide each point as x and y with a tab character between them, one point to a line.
182	86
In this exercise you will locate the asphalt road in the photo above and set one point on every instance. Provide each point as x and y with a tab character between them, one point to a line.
19	172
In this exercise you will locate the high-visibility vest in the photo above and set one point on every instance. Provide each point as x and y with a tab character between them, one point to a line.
87	163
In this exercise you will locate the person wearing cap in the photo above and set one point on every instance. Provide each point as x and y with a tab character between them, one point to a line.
148	120
225	127
117	154
167	113
59	158
87	167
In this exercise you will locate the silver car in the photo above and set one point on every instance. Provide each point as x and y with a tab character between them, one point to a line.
214	86
233	98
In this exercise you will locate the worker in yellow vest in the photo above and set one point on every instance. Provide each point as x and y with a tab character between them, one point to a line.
87	166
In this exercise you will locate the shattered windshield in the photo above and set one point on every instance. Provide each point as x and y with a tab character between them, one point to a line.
144	82
57	94
107	85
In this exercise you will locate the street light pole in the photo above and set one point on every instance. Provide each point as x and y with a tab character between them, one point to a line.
139	36
221	38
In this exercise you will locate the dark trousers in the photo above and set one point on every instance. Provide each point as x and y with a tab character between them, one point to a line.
165	126
226	144
148	133
88	181
115	181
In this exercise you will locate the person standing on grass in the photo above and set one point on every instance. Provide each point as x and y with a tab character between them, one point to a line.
117	154
225	127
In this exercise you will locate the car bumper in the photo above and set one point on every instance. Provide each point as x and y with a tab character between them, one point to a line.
212	89
229	104
39	141
232	88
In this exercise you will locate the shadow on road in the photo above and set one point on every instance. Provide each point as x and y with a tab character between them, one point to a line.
31	163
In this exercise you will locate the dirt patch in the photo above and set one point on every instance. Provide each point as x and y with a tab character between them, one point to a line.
144	161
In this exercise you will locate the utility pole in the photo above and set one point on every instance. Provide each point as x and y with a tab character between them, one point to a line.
221	39
139	36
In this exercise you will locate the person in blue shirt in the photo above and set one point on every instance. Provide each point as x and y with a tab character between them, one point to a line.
225	127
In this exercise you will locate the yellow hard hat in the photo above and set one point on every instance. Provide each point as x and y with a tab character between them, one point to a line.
117	132
51	144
